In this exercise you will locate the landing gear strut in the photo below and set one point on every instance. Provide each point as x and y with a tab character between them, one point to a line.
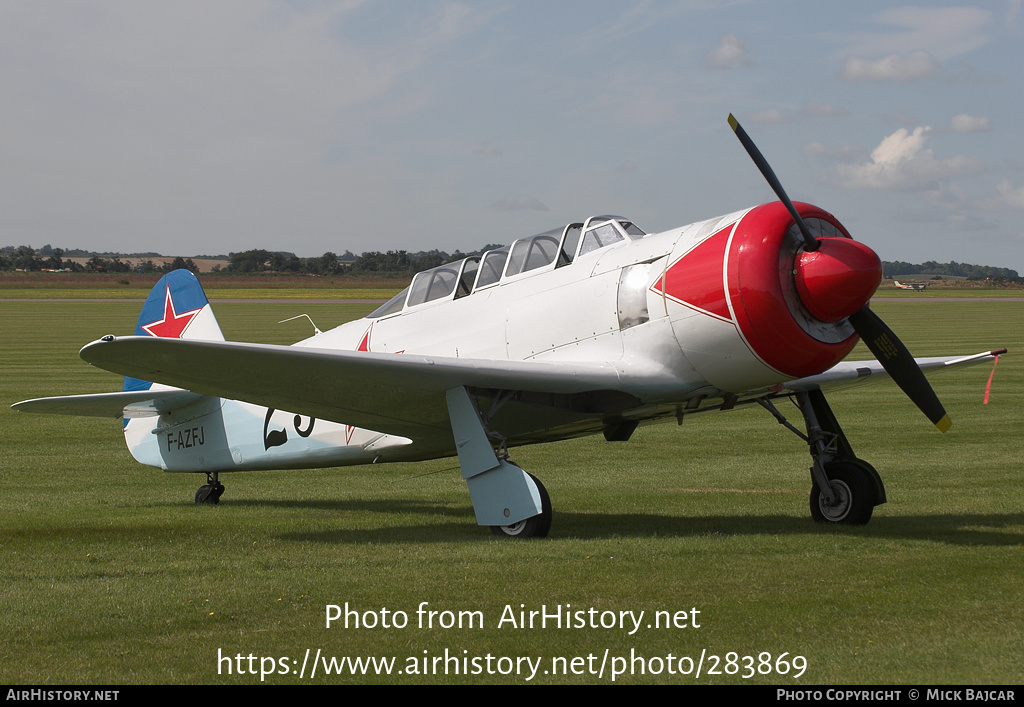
211	491
513	503
844	489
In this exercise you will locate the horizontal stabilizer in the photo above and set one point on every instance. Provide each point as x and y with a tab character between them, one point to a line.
140	403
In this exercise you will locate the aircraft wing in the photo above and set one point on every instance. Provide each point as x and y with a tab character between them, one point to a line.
134	403
400	394
850	373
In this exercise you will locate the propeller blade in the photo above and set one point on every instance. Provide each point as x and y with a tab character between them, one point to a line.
900	365
810	242
880	339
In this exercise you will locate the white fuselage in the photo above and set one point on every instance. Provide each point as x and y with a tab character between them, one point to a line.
611	304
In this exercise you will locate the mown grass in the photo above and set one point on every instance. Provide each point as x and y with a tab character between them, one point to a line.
110	574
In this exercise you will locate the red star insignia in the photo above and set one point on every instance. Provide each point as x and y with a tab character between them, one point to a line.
173	324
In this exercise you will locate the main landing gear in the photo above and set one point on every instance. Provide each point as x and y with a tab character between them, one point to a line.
511	502
211	491
844	489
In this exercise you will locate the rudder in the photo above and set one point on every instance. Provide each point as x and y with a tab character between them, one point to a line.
176	308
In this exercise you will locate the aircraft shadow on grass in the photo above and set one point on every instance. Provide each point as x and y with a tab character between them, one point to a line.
971	529
981	529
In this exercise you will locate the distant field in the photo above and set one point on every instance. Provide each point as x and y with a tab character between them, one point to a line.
111	575
934	292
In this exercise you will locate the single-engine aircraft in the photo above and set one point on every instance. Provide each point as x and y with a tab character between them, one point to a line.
916	286
597	327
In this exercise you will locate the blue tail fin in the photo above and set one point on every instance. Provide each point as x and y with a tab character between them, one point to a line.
176	308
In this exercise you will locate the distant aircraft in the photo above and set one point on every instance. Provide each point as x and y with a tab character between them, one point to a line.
916	286
596	327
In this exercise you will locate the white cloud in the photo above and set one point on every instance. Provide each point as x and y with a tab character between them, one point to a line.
901	161
964	123
895	67
729	54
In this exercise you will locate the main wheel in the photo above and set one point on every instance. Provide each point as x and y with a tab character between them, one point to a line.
854	494
535	527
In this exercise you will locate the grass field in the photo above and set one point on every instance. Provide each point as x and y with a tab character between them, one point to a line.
110	574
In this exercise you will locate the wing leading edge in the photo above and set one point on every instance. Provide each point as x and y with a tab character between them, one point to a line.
849	373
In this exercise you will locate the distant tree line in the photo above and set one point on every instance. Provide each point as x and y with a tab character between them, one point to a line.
26	258
393	263
48	258
950	269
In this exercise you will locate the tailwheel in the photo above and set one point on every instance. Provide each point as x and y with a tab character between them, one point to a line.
535	527
853	492
210	492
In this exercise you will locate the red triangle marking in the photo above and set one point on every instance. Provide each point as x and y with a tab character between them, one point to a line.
696	279
364	345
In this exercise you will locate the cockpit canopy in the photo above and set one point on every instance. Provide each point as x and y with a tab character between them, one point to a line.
545	251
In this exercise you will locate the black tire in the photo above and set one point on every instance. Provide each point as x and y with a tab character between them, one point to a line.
535	527
854	493
209	494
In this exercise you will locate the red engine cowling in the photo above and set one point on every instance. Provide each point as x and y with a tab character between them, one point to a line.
749	289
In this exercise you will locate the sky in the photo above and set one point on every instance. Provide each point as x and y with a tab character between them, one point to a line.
197	127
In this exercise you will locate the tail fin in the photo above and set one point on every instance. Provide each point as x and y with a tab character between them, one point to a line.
176	308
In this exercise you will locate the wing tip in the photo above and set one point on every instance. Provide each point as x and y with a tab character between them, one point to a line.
944	424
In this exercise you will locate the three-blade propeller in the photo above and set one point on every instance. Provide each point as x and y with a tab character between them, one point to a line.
879	338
